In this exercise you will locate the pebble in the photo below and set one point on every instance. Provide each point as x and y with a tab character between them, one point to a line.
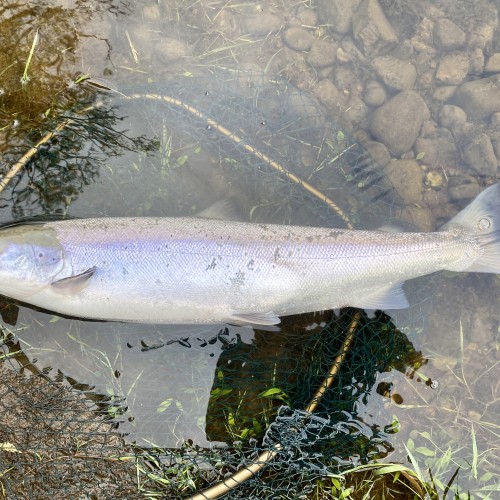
476	62
422	40
323	53
495	119
346	80
298	39
448	36
396	74
378	152
493	63
474	415
141	36
463	187
479	98
151	13
477	151
328	95
426	150
453	68
337	14
225	22
440	149
92	53
307	17
444	93
262	23
352	51
407	177
357	113
450	116
418	217
481	36
374	94
397	122
171	49
404	50
372	30
494	136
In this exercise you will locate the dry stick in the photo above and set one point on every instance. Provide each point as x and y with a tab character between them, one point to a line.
264	459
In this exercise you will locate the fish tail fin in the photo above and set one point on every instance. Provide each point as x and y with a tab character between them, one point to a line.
482	217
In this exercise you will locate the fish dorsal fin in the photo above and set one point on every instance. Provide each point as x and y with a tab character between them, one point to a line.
73	284
267	318
220	210
388	297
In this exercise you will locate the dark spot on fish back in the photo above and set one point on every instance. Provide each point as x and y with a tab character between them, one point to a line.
211	265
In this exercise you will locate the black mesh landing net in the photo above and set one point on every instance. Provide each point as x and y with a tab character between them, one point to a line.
111	410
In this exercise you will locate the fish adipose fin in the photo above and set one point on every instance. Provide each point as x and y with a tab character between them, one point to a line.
73	284
482	217
388	297
266	319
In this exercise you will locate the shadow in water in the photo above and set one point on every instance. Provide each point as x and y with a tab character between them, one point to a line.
213	385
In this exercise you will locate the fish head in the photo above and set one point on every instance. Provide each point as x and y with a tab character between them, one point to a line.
30	259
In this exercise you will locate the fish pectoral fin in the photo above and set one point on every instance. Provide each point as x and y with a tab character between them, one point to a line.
388	297
267	318
73	284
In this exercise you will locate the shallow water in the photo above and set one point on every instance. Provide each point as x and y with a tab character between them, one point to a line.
230	61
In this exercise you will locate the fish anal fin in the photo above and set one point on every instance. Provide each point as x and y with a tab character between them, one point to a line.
73	284
265	319
388	297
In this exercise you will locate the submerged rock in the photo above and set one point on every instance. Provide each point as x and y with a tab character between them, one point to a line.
448	36
262	23
298	39
479	98
375	93
323	53
450	116
395	73
372	30
397	122
453	68
463	187
407	178
493	63
171	49
337	13
477	151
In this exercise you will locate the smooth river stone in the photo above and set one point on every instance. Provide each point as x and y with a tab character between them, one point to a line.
397	122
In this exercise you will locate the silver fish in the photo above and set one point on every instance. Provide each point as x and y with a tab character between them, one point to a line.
197	270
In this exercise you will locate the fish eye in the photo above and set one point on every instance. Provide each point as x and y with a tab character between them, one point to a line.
484	223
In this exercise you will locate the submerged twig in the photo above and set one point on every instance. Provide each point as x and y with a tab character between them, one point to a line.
337	362
248	147
23	161
25	78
